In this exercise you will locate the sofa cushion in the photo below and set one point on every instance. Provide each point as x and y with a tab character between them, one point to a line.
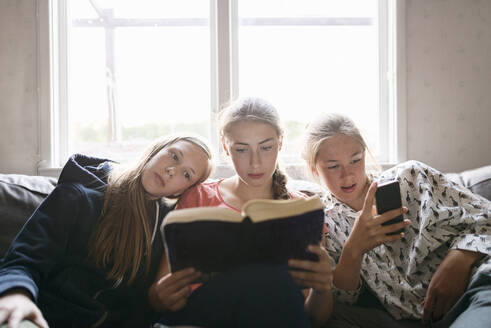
477	180
19	197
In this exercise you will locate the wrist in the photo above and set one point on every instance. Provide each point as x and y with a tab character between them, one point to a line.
19	291
152	297
351	254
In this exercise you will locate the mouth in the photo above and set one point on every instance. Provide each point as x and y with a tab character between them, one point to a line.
159	180
255	175
348	189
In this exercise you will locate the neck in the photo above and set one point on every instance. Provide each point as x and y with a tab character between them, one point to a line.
246	192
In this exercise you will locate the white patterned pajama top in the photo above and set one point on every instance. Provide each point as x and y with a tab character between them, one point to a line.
443	216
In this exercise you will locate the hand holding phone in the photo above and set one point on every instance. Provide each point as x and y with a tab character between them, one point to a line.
388	197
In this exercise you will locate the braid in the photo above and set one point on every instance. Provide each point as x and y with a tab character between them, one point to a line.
279	184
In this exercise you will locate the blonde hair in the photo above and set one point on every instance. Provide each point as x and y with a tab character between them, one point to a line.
122	238
324	127
256	110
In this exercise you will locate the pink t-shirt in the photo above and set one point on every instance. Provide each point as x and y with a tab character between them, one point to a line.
208	194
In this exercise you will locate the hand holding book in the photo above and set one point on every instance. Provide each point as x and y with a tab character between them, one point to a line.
317	275
170	292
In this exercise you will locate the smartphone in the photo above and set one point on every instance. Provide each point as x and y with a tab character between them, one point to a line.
388	197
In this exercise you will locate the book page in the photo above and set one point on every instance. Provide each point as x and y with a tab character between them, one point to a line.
203	214
264	209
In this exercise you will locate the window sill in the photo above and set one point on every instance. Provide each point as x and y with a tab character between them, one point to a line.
295	171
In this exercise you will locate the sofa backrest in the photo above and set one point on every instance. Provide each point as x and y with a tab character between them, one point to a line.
21	194
19	197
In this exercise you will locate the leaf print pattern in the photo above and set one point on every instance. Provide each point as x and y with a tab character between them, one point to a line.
443	215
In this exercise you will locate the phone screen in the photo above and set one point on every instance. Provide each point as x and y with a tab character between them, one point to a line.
388	197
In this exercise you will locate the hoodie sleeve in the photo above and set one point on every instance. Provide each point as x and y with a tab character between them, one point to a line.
43	240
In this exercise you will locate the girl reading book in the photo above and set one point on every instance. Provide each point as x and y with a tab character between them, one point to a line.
420	273
255	295
90	251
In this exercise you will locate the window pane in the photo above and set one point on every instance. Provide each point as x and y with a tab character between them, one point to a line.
136	72
309	57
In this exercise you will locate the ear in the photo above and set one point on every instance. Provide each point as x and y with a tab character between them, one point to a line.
280	143
224	146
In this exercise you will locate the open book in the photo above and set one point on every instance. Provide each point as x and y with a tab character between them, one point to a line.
215	239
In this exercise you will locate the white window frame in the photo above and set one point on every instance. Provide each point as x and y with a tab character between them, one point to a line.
52	90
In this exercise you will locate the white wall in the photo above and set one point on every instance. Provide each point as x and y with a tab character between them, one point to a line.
448	44
18	96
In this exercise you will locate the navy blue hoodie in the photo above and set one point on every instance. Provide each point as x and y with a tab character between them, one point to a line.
49	256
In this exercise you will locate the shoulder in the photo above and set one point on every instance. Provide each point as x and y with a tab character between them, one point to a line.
67	199
296	194
406	171
203	194
78	191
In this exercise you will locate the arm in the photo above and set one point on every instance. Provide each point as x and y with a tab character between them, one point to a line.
456	219
34	253
367	233
449	282
16	305
317	276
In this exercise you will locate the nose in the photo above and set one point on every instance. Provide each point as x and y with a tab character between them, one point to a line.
171	171
345	171
255	160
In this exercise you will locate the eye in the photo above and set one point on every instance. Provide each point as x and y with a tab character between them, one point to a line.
240	150
174	157
355	161
267	148
333	167
187	175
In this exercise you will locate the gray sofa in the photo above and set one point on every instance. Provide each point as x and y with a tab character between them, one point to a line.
21	194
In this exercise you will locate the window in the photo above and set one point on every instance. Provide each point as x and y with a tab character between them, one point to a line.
122	73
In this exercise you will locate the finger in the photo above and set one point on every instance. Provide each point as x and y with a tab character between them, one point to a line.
374	210
311	276
387	216
317	286
322	265
302	283
312	267
391	228
39	320
175	285
438	310
4	314
448	305
178	296
37	317
369	200
15	319
179	290
428	307
391	238
179	305
325	263
320	251
181	274
299	264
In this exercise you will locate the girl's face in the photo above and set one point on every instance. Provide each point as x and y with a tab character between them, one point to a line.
340	164
174	169
253	147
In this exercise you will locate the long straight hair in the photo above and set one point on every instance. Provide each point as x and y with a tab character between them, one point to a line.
122	240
